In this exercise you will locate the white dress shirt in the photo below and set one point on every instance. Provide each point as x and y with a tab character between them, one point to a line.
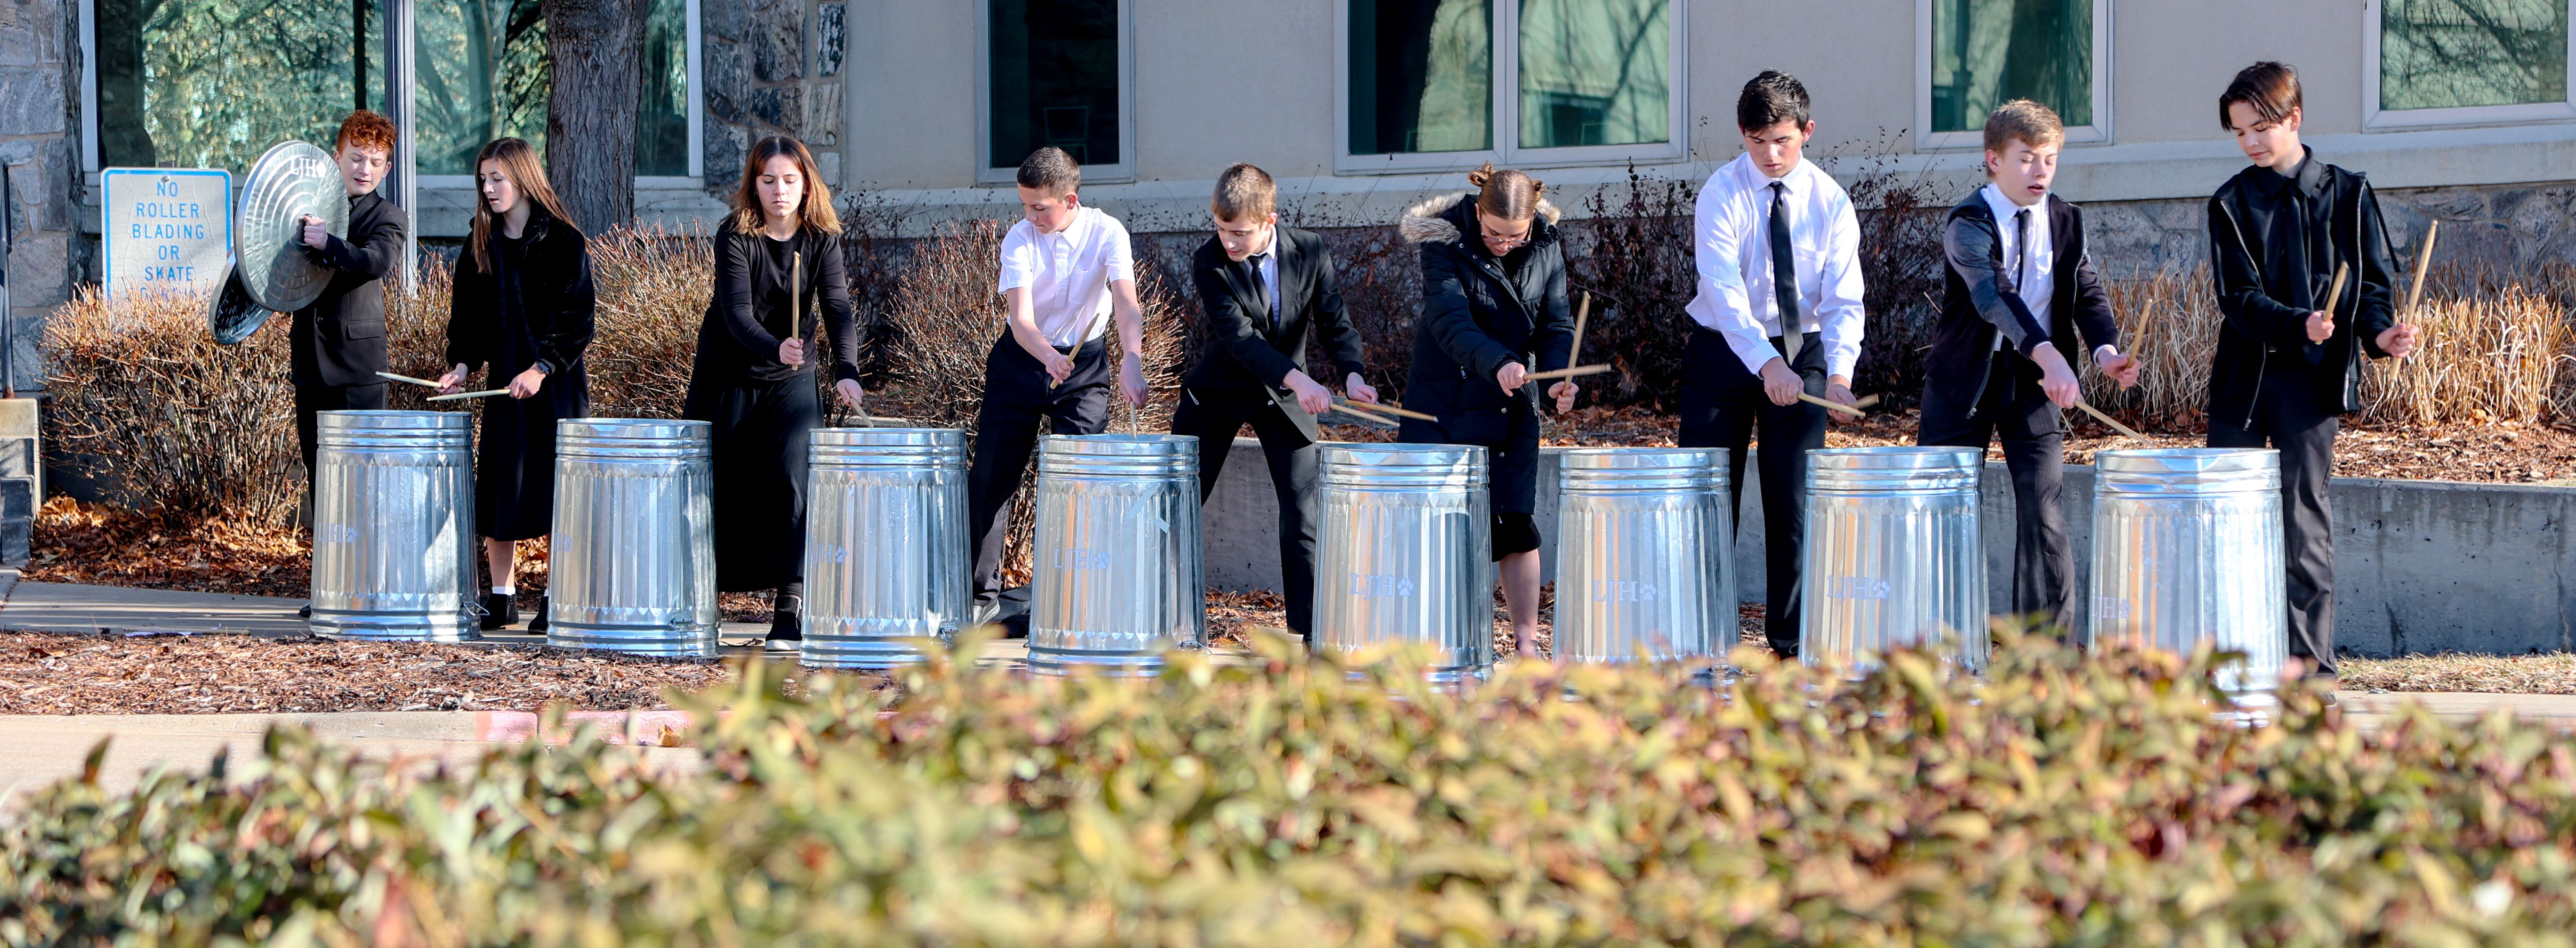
1731	248
1068	273
2036	278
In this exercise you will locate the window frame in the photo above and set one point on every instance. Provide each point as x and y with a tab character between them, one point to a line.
1504	109
696	96
2376	119
1119	172
1927	140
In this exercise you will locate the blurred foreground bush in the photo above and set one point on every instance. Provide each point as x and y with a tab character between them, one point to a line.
2064	802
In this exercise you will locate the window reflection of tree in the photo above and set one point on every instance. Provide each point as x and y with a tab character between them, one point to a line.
2451	53
212	83
482	75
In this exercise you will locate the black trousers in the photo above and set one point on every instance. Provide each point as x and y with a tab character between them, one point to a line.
312	400
1017	399
2293	414
1723	407
1213	415
2033	430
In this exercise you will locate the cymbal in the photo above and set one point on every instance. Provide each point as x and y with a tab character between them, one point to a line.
233	315
289	181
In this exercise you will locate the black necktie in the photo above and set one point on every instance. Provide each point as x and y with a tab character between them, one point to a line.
2021	249
1261	290
1784	275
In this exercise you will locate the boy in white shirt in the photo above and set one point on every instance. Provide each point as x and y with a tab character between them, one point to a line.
1068	274
1772	235
2017	290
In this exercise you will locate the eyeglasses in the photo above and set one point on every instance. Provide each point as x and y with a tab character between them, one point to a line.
1506	241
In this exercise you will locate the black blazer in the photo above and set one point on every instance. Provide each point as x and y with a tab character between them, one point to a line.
554	289
1475	317
340	339
747	317
2258	224
1251	349
1979	301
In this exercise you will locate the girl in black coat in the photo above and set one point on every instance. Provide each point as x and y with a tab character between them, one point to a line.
523	305
754	375
1494	302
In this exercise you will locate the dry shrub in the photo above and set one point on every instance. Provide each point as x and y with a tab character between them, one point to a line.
653	289
2490	359
1381	281
1636	261
2170	320
1902	267
146	403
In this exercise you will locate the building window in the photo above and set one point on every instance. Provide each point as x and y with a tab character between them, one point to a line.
1056	74
2440	62
1593	72
202	84
212	84
1589	80
483	73
1979	54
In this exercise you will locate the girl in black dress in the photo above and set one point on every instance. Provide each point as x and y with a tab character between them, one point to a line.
1494	304
523	305
754	375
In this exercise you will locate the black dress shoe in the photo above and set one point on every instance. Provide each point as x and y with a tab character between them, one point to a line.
306	612
537	619
786	632
499	612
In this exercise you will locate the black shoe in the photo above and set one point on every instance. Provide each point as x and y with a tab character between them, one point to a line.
499	612
306	612
537	619
786	632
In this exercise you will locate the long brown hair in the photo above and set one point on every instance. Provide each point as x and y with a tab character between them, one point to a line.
1506	194
816	210
528	174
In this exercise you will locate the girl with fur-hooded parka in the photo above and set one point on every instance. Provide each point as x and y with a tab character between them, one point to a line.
1491	300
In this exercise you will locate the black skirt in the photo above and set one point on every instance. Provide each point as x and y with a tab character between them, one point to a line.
761	435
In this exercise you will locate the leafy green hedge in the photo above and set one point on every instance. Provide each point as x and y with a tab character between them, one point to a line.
2066	801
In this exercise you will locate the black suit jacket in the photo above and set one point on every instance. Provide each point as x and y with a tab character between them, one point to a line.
1249	350
340	339
1978	301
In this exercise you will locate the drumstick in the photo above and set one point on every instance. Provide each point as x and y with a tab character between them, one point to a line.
1593	369
796	296
2423	261
406	378
2106	419
1389	408
483	394
2334	291
1348	410
1582	314
1852	410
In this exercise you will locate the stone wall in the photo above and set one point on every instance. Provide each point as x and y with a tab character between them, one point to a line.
39	115
773	67
2499	228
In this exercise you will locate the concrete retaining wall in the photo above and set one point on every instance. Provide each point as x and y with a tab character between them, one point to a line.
2422	566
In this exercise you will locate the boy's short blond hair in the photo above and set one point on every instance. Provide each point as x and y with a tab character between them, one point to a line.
2025	121
1052	171
1244	193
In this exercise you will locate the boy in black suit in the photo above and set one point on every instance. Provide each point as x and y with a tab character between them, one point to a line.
2017	289
338	343
1264	286
2286	371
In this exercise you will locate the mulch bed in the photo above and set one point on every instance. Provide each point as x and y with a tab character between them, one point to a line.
42	673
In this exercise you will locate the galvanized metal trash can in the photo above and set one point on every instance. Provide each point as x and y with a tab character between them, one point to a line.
393	526
1405	553
1118	559
885	544
1894	554
2186	550
633	567
1644	555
